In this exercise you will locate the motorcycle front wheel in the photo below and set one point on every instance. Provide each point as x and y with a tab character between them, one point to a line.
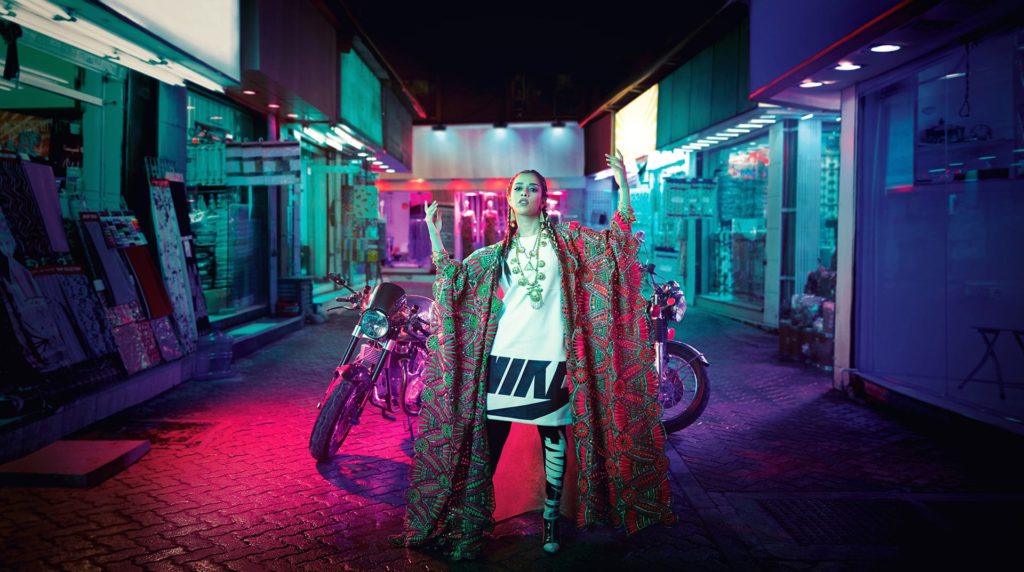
684	387
336	418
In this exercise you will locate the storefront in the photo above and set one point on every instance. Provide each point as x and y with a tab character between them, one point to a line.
745	217
466	169
940	286
94	286
928	289
229	223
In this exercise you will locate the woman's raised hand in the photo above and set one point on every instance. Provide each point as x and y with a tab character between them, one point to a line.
618	167
433	218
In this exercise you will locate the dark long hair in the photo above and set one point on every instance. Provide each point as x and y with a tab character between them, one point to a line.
511	227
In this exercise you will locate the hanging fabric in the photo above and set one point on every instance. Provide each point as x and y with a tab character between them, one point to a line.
112	268
44	189
172	262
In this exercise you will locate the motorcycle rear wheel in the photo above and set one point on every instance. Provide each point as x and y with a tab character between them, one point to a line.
336	418
684	387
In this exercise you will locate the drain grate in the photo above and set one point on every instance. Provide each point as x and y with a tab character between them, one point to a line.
848	521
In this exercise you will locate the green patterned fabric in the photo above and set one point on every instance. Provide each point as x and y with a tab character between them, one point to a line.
619	439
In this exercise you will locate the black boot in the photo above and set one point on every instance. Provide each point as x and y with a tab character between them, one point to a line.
552	540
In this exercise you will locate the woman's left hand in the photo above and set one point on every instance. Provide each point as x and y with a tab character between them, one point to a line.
618	167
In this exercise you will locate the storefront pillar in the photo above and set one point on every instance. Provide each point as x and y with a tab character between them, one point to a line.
843	358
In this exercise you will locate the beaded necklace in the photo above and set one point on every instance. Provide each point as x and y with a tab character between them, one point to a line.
533	264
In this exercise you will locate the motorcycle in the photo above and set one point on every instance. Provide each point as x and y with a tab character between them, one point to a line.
387	369
684	385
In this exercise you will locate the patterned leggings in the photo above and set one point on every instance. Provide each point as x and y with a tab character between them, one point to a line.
552	441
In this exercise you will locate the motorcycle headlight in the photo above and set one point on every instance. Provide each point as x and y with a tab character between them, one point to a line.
374	324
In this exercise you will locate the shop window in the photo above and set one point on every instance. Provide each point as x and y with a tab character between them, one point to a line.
229	223
737	233
940	289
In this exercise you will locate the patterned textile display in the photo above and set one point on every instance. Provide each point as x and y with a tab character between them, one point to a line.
23	217
137	346
166	340
31	317
124	314
147	277
619	439
108	262
76	304
89	313
172	263
44	188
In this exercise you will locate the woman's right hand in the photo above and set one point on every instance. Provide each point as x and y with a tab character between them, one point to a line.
433	218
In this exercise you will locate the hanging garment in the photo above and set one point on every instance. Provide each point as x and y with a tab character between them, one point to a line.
111	268
18	204
172	263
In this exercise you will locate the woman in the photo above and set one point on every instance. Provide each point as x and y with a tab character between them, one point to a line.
551	317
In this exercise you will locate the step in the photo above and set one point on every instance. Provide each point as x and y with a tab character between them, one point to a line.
72	463
258	333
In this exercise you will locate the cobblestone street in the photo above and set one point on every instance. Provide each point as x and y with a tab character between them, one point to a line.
781	472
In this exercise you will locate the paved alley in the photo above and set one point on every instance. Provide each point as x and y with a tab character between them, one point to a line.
780	473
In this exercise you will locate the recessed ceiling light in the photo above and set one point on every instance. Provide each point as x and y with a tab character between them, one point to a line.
885	48
810	83
248	92
847	66
273	106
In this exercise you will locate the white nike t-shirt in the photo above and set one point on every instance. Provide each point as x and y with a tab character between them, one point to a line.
526	378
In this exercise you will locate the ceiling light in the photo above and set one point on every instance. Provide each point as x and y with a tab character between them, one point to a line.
248	92
737	130
314	135
363	154
345	127
293	115
273	106
953	75
763	121
727	135
885	48
390	170
750	125
808	116
810	83
847	66
718	138
216	117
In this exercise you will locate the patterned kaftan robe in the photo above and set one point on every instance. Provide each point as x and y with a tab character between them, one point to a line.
619	439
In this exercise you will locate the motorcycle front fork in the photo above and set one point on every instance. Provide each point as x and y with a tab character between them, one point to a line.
660	335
